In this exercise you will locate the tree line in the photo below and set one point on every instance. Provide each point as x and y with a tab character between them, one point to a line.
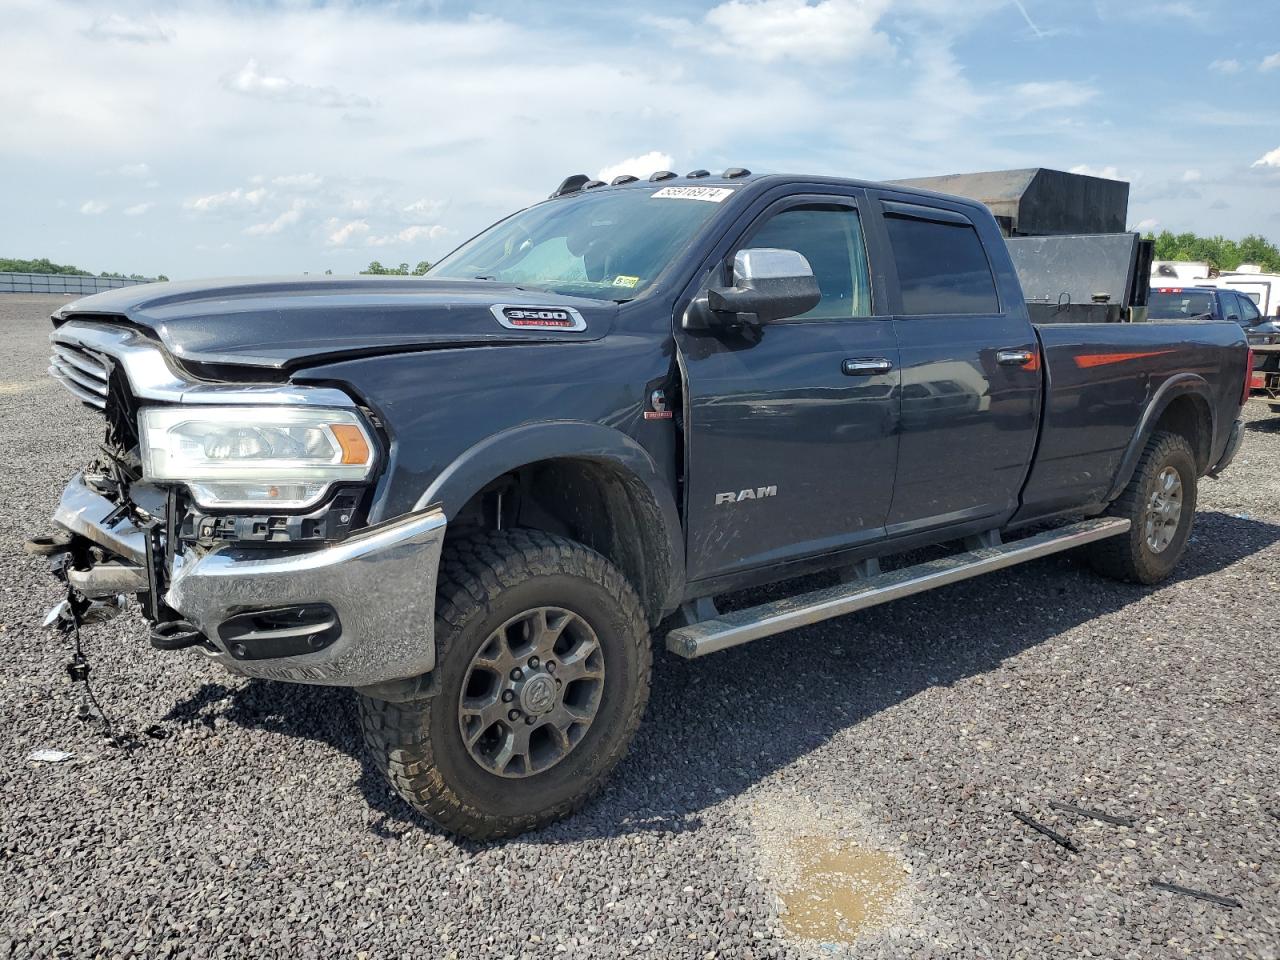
1218	252
403	270
47	266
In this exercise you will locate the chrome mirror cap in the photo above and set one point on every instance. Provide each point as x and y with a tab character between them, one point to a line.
769	263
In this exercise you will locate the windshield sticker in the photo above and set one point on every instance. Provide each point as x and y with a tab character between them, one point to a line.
628	282
537	318
710	194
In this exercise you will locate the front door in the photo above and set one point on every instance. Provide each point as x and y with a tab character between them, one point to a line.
792	443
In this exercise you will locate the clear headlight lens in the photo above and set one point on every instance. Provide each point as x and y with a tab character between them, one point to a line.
254	456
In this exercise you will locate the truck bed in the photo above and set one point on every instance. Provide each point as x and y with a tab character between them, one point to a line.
1098	377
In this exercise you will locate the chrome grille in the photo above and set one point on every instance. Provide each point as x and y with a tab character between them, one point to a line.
80	372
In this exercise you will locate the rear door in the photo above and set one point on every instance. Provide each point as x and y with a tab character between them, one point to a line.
792	443
1249	313
970	372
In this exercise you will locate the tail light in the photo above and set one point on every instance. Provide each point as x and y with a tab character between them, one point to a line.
1248	377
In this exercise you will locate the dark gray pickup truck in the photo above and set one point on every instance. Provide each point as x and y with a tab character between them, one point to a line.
473	496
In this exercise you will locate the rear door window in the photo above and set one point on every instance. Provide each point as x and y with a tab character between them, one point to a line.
1249	313
942	267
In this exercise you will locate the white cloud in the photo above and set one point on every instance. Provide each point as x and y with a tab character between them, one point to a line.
1226	66
340	233
299	181
409	235
228	198
882	89
94	207
1051	95
116	27
1106	173
134	171
771	30
423	207
138	209
287	219
1269	159
251	81
1148	225
640	166
1271	62
1192	176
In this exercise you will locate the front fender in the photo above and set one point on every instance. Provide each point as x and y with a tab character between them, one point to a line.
530	443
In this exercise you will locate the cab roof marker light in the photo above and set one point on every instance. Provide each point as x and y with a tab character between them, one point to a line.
570	184
734	172
625	178
592	184
697	174
661	175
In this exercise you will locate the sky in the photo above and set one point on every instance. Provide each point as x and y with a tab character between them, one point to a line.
197	138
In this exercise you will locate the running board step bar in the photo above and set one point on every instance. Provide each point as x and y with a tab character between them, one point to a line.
742	626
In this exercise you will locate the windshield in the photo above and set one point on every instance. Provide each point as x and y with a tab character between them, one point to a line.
609	245
1179	304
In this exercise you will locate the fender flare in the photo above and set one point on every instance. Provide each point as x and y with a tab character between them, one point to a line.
520	446
1176	386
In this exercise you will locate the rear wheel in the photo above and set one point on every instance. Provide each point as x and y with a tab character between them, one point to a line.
1160	503
542	672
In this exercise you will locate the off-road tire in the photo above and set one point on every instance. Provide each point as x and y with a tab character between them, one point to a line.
484	581
1129	557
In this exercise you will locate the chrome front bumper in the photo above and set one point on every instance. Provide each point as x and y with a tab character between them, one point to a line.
381	582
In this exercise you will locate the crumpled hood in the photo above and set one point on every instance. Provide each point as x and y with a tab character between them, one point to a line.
283	322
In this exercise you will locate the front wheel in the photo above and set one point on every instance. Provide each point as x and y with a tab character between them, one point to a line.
1160	503
542	670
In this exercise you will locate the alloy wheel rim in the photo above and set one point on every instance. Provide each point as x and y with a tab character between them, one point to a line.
531	692
1164	510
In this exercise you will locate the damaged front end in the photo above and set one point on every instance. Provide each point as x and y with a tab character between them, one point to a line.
236	515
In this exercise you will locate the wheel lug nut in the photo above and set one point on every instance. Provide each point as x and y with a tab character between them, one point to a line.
533	663
551	666
530	720
517	673
507	696
513	715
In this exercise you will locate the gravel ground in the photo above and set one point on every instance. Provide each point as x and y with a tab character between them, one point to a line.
256	829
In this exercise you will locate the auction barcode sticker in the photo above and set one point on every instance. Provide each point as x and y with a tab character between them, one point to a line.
710	194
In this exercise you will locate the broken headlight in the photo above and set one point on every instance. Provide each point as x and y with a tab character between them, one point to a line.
284	457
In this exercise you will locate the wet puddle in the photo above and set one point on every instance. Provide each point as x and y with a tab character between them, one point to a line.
836	889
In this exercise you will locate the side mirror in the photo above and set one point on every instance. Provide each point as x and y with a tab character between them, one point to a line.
768	285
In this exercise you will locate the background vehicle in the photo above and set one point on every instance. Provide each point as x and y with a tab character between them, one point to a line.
1262	288
473	496
1220	303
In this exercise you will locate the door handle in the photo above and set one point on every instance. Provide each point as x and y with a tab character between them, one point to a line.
1014	358
865	366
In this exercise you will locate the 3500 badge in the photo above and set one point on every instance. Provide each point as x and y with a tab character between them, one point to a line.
516	317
